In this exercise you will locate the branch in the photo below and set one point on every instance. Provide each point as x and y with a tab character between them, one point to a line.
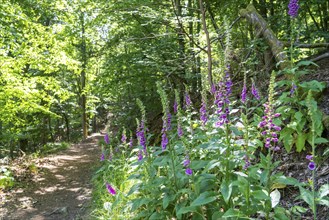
298	45
184	31
322	56
259	23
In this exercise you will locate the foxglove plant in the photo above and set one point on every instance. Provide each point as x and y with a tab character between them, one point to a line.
110	189
123	136
166	116
180	131
107	139
254	91
141	129
293	8
203	112
222	98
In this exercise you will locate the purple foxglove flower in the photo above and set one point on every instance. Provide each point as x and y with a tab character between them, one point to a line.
277	115
213	89
175	107
277	128
309	157
102	157
140	155
264	133
276	148
187	100
311	165
106	139
180	131
293	8
186	162
164	141
293	88
123	138
131	142
168	121
110	189
188	171
254	91
244	93
247	163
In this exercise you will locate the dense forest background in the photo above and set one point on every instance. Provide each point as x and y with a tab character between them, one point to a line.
68	67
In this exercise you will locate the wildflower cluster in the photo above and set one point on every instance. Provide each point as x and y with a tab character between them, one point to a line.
222	98
254	91
166	117
141	130
186	164
203	109
177	106
269	129
293	8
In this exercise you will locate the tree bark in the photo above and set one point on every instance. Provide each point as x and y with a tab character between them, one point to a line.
260	24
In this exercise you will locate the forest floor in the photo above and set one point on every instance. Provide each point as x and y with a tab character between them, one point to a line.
55	187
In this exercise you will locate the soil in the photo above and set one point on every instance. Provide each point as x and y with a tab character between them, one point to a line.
56	187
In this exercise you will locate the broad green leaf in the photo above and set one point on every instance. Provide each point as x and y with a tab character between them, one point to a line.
306	195
324	201
187	209
260	195
300	142
313	85
231	213
226	190
204	198
324	190
133	189
167	199
320	140
275	198
287	181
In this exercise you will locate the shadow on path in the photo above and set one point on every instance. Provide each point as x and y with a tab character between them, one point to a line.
62	189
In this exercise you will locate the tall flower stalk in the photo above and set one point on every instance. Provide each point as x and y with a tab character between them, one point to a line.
312	165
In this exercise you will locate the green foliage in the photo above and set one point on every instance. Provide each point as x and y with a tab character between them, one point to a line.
6	178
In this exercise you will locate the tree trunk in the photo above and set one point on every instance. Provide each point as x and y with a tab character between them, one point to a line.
260	24
205	29
83	78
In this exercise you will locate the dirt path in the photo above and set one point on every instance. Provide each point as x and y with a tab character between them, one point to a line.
62	188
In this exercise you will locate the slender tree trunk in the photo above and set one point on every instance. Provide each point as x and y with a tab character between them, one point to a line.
205	29
180	34
83	78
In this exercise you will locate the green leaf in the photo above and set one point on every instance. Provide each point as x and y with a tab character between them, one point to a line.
133	189
233	213
300	142
275	198
313	85
187	209
226	190
260	195
306	195
287	180
204	198
167	199
324	190
320	140
287	138
324	201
